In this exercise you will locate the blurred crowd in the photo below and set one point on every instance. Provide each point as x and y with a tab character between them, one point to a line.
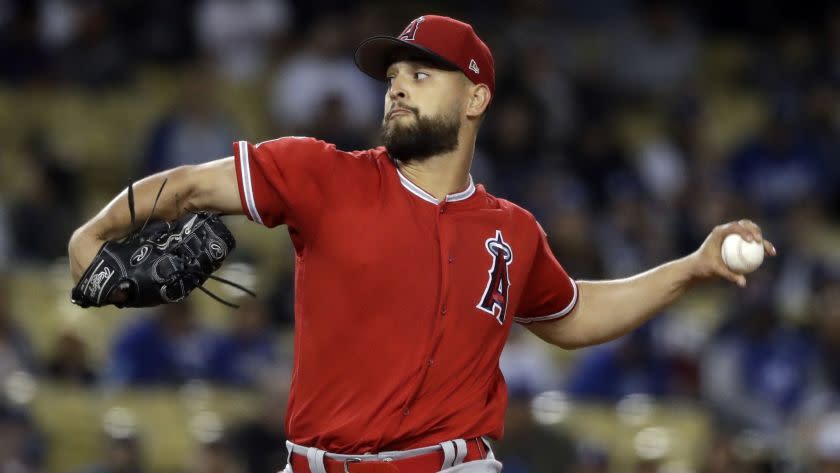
629	128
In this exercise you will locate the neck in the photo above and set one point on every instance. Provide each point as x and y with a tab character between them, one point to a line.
443	174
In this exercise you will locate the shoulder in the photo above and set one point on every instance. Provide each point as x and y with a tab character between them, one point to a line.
315	151
307	144
519	215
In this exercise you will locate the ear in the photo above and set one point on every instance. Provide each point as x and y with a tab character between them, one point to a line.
477	100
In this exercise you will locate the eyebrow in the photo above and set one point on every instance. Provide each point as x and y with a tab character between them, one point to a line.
417	64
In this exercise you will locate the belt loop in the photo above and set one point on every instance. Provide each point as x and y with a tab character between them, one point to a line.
290	449
490	455
460	451
448	454
316	460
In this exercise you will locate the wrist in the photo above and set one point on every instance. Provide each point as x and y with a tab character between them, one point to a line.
693	267
81	249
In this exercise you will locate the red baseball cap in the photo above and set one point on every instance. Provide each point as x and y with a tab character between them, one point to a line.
444	41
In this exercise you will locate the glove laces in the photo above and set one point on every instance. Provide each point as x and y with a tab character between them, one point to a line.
193	269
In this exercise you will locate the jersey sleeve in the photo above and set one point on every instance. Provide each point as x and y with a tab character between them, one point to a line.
549	292
284	181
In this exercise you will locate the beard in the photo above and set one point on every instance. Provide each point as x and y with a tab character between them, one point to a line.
422	139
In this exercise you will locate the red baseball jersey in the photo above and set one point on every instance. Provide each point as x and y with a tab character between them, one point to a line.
402	303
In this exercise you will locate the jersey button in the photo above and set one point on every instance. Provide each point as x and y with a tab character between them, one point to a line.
406	411
442	209
451	258
443	310
430	362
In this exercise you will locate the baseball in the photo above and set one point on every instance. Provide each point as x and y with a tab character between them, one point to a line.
740	255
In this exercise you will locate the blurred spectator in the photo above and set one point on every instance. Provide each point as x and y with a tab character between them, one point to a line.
59	22
560	202
526	363
719	457
629	365
238	33
260	442
243	355
43	218
512	138
214	456
531	447
598	159
15	349
656	52
754	371
823	389
195	131
823	127
22	56
158	31
664	163
632	236
68	363
591	458
321	79
22	445
742	452
827	445
122	455
167	347
98	54
780	167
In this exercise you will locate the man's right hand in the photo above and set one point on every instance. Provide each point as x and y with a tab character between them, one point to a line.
82	248
210	186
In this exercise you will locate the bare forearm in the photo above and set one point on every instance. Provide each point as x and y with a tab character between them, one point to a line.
114	220
210	186
609	309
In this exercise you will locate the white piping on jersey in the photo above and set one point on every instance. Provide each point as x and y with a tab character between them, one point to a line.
245	167
527	320
416	190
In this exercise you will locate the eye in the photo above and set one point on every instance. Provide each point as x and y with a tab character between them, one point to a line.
388	81
420	75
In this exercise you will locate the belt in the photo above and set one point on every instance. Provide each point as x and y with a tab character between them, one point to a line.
421	460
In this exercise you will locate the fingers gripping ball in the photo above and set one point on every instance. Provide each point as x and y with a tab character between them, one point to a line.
741	256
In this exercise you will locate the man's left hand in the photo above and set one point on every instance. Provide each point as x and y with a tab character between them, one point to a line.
707	259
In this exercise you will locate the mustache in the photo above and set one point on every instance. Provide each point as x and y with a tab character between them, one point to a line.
413	110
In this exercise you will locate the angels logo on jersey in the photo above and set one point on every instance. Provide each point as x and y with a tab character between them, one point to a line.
495	298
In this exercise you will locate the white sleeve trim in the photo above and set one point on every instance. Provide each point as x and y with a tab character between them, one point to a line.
245	167
527	320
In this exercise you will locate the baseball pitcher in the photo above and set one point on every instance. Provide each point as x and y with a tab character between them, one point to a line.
408	274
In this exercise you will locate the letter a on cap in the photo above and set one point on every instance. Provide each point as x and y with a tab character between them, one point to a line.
410	31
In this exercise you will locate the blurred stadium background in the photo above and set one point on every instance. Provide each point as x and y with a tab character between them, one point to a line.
628	127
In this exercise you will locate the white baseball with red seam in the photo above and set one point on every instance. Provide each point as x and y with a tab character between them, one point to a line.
741	256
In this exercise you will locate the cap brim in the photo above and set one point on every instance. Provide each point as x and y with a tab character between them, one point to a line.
376	54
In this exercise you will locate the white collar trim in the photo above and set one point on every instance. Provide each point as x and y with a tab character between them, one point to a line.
416	190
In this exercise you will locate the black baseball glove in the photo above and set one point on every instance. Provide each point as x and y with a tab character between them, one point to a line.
162	262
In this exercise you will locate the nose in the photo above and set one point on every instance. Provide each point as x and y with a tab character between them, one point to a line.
397	91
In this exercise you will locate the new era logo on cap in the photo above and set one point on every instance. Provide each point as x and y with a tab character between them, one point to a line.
473	66
450	43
